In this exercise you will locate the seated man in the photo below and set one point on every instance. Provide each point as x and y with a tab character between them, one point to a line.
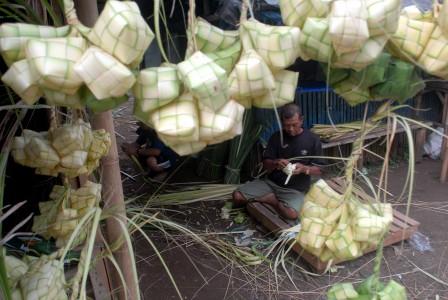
298	144
151	151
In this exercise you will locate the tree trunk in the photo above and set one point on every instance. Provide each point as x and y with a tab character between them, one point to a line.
112	189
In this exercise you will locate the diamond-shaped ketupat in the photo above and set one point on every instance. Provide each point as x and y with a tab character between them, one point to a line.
205	80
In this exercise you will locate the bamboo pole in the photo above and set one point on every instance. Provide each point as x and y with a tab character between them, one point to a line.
112	189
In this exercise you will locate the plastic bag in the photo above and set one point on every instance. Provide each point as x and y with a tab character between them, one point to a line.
433	145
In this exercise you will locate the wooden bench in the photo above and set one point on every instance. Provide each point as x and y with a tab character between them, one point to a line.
401	228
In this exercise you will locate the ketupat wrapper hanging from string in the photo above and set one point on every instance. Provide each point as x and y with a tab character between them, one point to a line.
59	217
72	149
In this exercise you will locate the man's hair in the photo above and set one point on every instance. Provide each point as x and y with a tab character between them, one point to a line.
289	110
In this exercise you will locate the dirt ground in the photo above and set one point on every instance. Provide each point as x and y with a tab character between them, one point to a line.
199	275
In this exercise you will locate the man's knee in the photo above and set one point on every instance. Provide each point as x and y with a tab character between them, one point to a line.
238	198
288	212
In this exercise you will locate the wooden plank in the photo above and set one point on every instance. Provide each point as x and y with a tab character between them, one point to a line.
266	217
403	217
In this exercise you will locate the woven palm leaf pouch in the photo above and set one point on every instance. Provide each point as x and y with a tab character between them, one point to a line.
315	40
205	80
14	36
156	87
121	31
216	125
103	74
348	25
53	61
177	122
284	92
295	12
277	45
23	81
411	38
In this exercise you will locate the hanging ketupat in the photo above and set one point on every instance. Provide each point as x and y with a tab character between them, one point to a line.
277	45
14	36
121	31
71	149
156	87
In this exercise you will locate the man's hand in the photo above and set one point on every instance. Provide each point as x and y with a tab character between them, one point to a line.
300	169
130	149
281	163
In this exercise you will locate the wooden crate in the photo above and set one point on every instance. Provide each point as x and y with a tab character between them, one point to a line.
401	228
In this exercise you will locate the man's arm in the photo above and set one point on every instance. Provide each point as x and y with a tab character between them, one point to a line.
311	169
308	170
148	152
274	164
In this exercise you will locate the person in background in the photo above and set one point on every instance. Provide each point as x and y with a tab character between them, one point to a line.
300	147
151	152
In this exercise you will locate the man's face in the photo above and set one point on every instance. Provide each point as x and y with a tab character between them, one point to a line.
292	126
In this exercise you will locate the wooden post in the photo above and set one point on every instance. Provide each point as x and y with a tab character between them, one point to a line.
112	189
420	138
444	150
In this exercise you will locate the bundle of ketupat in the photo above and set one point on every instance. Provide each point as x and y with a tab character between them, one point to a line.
223	47
59	217
344	33
334	229
56	62
72	149
213	89
420	39
36	278
366	290
259	75
386	78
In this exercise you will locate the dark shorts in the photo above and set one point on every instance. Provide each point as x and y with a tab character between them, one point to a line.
260	187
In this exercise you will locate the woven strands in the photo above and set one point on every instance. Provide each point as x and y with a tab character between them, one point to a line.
104	75
56	62
23	82
315	40
62	213
122	32
344	291
44	279
205	80
332	229
156	87
277	45
71	149
348	25
53	62
295	12
14	36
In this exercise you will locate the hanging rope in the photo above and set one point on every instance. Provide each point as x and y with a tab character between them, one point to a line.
191	32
